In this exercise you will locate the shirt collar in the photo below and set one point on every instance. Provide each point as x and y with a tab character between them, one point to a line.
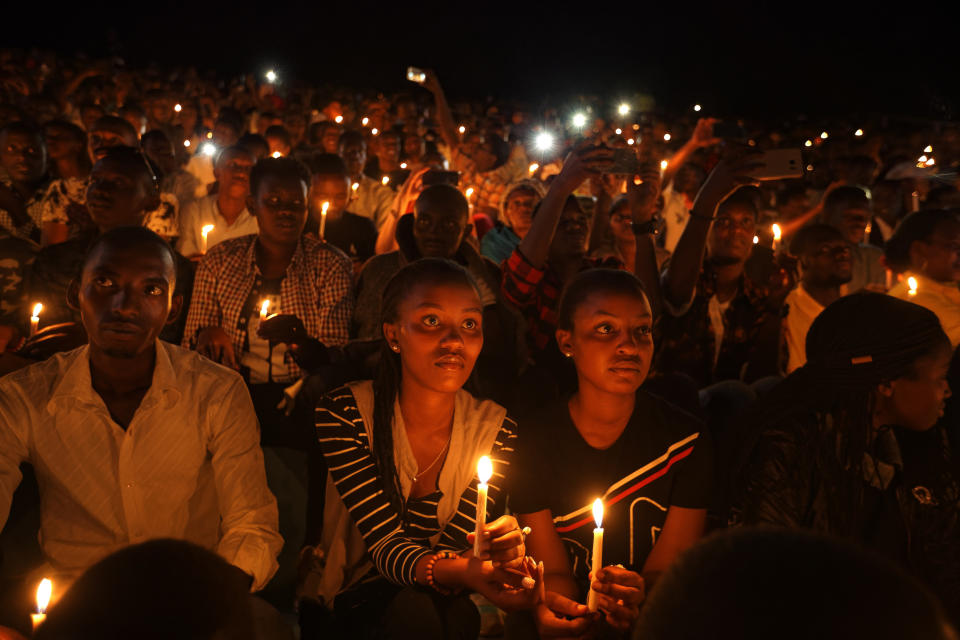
296	262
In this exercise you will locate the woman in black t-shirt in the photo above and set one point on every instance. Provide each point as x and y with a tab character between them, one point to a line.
648	461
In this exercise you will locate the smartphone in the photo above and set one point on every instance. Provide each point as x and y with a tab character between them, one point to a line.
780	164
728	131
437	176
624	162
416	75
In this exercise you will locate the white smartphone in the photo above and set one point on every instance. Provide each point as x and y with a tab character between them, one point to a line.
416	75
780	164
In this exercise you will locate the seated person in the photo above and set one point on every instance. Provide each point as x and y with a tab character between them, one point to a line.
926	247
226	132
516	215
65	212
226	209
132	438
23	161
353	234
16	259
439	228
722	293
754	584
371	199
121	190
848	209
304	283
402	453
848	445
824	258
173	177
650	463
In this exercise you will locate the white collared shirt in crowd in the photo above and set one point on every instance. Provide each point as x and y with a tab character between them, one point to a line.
801	309
204	211
372	200
188	466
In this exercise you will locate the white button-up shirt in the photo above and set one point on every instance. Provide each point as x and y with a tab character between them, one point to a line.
204	211
188	466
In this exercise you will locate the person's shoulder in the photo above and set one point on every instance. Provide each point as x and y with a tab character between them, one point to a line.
382	262
323	253
230	248
38	380
191	367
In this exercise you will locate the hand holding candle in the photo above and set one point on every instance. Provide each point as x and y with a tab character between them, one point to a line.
204	232
597	559
35	319
484	472
44	590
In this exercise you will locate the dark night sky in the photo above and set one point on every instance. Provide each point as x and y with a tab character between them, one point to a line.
775	59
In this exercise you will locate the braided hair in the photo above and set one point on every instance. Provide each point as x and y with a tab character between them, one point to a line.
386	384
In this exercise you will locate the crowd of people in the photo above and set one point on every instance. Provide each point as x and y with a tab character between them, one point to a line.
255	337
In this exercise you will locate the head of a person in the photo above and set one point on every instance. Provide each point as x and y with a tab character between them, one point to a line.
114	601
278	140
159	104
605	326
278	199
330	183
353	150
441	221
621	220
110	131
65	140
388	149
227	128
894	351
519	203
730	240
121	189
255	144
927	242
296	125
824	256
125	291
887	200
862	170
90	112
158	148
848	209
232	171
23	154
792	202
327	137
573	231
135	115
747	582
689	178
413	147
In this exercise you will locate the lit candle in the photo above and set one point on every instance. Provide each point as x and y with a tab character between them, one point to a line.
866	233
824	135
177	107
469	193
915	201
666	137
365	121
911	286
858	132
808	143
276	154
403	165
462	129
756	239
354	187
264	309
186	143
323	219
35	319
619	131
43	599
533	168
630	141
484	471
338	119
204	232
697	107
375	131
777	234
928	149
889	279
596	562
385	180
663	165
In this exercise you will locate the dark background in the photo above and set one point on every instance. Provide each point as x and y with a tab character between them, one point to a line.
747	59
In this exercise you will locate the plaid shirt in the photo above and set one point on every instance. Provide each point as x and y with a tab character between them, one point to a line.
317	288
490	186
31	229
536	293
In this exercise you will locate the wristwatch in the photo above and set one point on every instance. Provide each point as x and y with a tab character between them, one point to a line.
650	227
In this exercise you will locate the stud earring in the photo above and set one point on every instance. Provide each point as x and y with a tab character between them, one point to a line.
395	347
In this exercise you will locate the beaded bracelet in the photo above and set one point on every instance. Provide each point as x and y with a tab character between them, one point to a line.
431	582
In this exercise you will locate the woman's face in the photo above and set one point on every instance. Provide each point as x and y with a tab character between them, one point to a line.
620	220
916	402
939	259
611	342
439	333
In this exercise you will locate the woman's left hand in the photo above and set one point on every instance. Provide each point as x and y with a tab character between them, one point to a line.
502	542
514	589
620	592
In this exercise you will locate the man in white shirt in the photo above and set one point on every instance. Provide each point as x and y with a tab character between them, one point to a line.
370	199
825	265
131	438
226	132
225	210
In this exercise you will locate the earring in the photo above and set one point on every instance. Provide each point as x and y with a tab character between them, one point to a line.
395	347
569	355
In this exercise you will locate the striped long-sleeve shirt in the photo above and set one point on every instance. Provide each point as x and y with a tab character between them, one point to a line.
396	545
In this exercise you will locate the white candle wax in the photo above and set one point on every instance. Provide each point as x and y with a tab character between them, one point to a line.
915	201
596	562
35	319
484	471
203	237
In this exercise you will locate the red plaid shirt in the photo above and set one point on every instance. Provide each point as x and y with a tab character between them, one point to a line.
536	293
317	288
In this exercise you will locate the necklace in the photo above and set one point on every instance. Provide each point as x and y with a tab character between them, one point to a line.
435	460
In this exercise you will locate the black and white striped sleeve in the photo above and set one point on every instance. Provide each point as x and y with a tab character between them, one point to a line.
343	441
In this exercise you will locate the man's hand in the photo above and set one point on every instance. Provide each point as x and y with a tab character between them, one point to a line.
643	197
54	339
283	327
586	161
214	343
560	617
703	133
620	592
732	172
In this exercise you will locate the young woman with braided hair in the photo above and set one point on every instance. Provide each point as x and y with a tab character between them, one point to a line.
850	445
402	453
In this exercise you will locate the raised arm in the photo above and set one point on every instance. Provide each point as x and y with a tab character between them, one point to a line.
445	121
702	137
643	199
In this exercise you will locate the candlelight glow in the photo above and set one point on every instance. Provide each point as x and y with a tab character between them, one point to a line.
355	186
579	120
666	137
756	239
858	132
365	121
469	192
385	180
697	107
928	149
209	135
664	164
208	149
484	469
264	308
922	159
186	143
623	109
598	512
276	154
207	228
931	162
43	595
324	206
338	119
462	129
403	165
619	131
912	286
630	141
543	141
178	107
375	131
271	76
533	167
37	308
808	143
824	135
777	233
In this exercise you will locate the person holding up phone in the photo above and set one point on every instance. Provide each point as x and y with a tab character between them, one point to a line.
682	180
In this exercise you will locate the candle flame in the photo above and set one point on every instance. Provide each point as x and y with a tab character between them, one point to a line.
623	109
177	107
338	119
777	233
619	131
858	132
365	121
533	167
403	165
209	134
824	135
324	206
664	164
928	149
697	107
276	154
385	180
666	137
43	595
808	143
264	308
756	239
186	143
462	129
630	141
469	192
598	512
484	469
207	228
37	308
355	186
375	131
912	284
